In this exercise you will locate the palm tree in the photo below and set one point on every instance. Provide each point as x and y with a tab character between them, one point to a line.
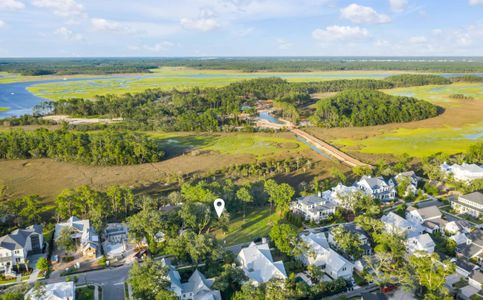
26	263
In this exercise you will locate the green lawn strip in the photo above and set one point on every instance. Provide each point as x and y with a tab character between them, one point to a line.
257	223
85	293
4	108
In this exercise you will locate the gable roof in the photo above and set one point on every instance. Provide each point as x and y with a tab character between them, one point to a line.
18	238
394	219
477	276
475	197
310	200
200	287
429	212
257	262
374	182
55	291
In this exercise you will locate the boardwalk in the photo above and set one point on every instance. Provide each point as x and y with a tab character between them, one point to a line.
329	149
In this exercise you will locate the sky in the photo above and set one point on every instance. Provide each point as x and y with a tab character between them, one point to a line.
174	28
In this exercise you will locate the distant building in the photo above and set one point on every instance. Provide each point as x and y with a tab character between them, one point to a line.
314	208
82	233
471	204
321	255
54	291
465	172
377	187
18	245
257	263
422	242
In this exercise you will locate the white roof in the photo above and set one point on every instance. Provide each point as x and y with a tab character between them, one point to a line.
55	291
422	242
395	220
336	261
460	238
258	265
317	241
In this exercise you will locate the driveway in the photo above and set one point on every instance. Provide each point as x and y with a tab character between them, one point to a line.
112	281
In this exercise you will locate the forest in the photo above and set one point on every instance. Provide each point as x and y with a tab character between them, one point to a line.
367	107
96	66
99	148
214	109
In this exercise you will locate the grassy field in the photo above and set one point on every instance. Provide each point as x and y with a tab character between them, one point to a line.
256	224
4	108
458	127
188	153
180	78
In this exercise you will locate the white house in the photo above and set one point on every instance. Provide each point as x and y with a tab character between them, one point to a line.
321	255
18	245
257	263
465	172
422	215
377	187
471	204
336	194
54	291
422	242
314	208
81	232
396	224
460	238
196	288
412	179
115	240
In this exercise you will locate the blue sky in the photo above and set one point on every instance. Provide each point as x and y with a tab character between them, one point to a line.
43	28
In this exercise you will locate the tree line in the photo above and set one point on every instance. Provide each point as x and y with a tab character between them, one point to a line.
355	108
212	109
99	148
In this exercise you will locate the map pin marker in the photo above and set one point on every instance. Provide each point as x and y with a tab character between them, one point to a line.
219	206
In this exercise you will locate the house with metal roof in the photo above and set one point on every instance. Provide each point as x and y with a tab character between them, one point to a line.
465	172
377	187
257	263
54	291
420	243
83	233
314	208
471	204
321	255
396	224
18	245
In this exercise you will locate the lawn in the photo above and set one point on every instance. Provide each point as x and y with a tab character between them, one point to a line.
4	108
258	145
257	223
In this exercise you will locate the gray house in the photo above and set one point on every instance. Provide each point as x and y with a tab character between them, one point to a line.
18	245
377	187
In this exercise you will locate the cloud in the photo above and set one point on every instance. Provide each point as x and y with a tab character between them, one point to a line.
108	25
158	47
363	15
68	34
398	5
283	44
339	33
63	8
206	22
2	23
11	5
418	40
476	2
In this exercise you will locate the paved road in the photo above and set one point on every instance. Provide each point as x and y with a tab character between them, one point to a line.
112	281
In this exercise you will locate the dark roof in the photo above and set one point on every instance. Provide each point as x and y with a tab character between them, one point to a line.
476	237
18	237
476	197
465	265
429	212
374	296
468	251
